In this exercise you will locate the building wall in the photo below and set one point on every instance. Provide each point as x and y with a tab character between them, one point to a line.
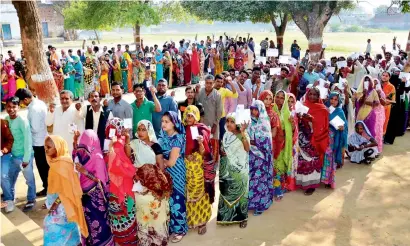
55	21
8	15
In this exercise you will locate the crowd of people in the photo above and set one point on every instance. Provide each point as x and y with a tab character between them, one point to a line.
143	173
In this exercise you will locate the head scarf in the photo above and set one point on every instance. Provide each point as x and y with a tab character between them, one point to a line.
89	155
320	124
64	181
295	119
360	88
175	120
263	95
284	158
120	169
357	139
340	137
150	129
191	110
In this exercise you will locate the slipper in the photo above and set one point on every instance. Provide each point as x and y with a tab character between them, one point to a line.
3	204
243	224
29	206
202	230
177	238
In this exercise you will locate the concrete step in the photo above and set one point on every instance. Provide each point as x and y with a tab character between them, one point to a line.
18	229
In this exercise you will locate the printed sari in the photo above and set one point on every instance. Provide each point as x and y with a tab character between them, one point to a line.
79	78
200	171
95	195
233	180
365	112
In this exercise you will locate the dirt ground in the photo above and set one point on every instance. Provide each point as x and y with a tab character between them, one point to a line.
370	206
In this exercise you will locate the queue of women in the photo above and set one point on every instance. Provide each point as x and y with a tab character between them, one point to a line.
148	191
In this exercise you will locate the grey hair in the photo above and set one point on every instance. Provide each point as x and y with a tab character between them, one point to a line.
209	77
67	92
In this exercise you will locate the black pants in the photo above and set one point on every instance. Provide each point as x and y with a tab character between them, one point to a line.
263	52
42	165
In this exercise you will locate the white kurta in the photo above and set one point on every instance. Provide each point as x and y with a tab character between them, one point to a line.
61	123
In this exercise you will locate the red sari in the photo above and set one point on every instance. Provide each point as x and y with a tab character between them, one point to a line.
195	63
187	68
238	65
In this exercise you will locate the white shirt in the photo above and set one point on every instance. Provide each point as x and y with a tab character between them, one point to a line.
96	116
61	123
368	48
37	112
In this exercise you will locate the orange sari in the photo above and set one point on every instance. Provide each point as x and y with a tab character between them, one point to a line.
390	93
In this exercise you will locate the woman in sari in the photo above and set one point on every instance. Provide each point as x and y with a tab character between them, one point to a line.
380	116
260	160
124	72
367	100
201	63
195	64
79	78
154	187
121	173
337	142
20	74
69	75
390	93
267	98
238	63
89	69
65	222
217	62
58	75
313	142
168	68
231	61
283	144
234	175
160	66
117	70
130	70
105	68
135	69
362	147
172	141
200	171
11	79
187	68
295	148
90	164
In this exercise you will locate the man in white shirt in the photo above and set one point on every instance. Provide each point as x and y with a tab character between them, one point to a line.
95	115
37	112
368	48
65	118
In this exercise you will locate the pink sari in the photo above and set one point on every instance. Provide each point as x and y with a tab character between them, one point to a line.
380	118
11	80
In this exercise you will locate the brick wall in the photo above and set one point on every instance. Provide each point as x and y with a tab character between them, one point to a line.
54	20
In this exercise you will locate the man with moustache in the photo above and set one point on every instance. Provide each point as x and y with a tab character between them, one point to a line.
95	115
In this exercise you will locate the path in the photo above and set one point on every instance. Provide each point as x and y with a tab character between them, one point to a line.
370	206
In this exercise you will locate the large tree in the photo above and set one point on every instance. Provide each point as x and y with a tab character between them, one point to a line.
274	12
39	75
105	15
312	18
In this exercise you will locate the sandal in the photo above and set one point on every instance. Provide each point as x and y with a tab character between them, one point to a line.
309	191
44	206
257	213
177	238
243	224
202	230
3	204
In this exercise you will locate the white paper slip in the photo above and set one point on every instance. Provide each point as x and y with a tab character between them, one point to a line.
331	109
213	46
209	70
263	78
244	116
107	96
300	108
148	83
236	73
407	83
324	46
328	63
274	71
404	75
153	67
366	85
240	107
107	144
330	70
402	97
272	53
149	55
263	60
1	153
341	64
293	61
284	59
337	122
66	76
128	123
194	132
378	87
137	187
112	133
323	92
341	86
322	82
72	128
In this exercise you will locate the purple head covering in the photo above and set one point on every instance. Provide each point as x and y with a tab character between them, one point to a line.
89	155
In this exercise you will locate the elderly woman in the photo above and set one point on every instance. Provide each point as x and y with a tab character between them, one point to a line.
362	146
153	187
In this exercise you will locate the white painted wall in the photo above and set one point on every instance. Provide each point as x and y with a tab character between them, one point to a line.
8	15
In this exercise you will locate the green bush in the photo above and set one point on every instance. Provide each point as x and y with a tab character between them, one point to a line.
354	28
336	27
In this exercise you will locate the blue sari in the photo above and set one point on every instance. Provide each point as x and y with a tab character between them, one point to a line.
78	78
124	73
339	137
69	82
177	201
159	67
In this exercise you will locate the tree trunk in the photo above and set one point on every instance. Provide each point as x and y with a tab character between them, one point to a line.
137	33
39	76
312	24
96	36
280	30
